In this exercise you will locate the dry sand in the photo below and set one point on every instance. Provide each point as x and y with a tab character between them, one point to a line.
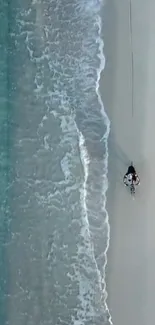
130	272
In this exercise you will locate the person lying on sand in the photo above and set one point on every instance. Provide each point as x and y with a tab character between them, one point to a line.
131	177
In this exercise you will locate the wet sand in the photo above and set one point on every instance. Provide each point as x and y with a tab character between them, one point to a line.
131	256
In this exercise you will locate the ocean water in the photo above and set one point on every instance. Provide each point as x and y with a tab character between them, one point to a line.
54	160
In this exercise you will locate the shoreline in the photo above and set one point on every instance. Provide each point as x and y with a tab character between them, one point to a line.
130	283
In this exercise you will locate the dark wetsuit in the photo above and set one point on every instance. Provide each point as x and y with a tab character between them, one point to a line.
131	170
135	178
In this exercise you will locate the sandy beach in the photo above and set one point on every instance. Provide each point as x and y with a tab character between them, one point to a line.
130	272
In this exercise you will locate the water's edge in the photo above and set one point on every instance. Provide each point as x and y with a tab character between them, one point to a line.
54	165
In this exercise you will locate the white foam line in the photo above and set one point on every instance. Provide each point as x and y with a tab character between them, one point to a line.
86	231
85	162
105	139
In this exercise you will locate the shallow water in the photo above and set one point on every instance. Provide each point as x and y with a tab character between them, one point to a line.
55	154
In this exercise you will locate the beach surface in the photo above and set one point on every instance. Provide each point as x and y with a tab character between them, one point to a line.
130	272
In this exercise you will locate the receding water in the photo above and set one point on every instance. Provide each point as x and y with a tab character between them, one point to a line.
54	227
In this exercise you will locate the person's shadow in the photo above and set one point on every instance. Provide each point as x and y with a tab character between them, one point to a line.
118	164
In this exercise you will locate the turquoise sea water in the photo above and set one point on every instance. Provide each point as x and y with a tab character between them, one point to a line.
53	140
4	156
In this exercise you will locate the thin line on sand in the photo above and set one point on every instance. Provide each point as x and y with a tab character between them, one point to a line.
131	255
